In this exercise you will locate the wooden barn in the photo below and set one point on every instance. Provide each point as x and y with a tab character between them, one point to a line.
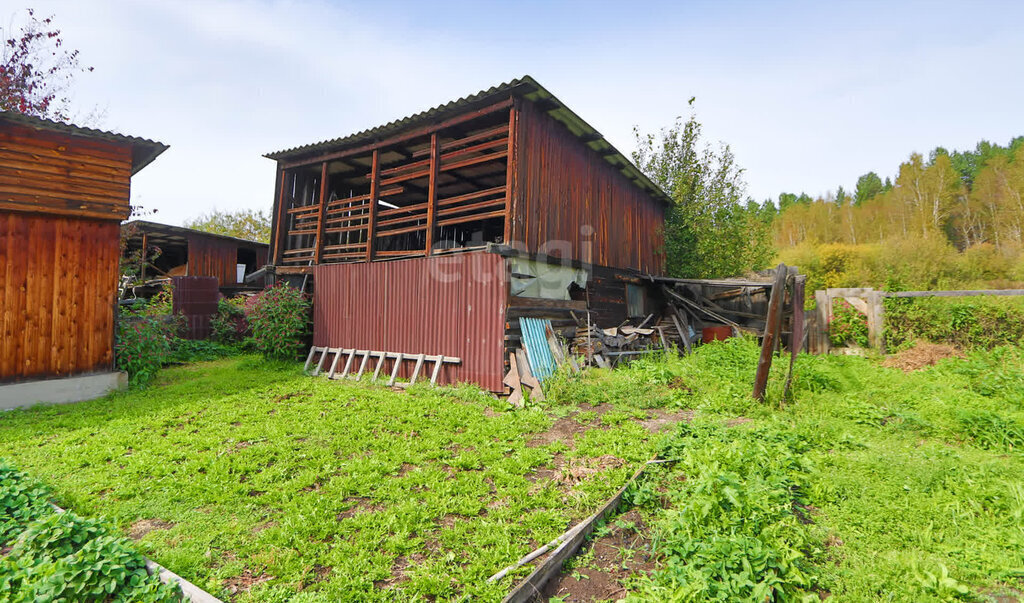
64	191
432	235
186	252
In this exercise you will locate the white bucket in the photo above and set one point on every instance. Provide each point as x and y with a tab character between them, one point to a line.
240	269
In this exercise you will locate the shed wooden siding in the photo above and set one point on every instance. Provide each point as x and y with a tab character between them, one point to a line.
48	172
452	305
58	280
561	187
208	256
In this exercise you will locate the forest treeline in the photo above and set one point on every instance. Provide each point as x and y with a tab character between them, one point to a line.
950	220
967	198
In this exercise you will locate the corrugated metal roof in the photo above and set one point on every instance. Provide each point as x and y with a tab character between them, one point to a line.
144	151
525	87
183	233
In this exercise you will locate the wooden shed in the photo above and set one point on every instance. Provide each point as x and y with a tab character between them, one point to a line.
64	190
187	252
434	233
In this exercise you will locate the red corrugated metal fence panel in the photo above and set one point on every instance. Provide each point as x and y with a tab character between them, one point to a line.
452	305
195	298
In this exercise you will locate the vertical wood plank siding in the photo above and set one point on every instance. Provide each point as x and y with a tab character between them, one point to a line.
46	172
58	278
212	257
562	187
452	305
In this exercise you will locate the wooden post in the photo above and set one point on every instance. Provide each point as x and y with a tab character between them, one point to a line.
876	320
772	331
142	261
432	192
319	243
282	221
798	327
822	302
510	172
371	226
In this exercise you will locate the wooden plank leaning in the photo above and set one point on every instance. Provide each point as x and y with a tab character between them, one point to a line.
772	332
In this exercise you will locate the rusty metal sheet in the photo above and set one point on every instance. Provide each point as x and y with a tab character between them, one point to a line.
452	305
195	298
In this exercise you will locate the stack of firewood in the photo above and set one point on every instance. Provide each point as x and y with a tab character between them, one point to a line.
605	347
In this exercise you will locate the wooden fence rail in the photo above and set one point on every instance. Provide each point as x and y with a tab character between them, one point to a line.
871	303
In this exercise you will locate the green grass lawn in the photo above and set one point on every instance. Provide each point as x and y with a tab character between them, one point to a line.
872	485
258	483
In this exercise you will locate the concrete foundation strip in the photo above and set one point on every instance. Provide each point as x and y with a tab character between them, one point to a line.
189	591
567	544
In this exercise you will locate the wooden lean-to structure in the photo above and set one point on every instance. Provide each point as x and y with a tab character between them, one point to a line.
63	193
434	234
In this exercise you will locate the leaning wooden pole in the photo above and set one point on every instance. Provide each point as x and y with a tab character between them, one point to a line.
772	332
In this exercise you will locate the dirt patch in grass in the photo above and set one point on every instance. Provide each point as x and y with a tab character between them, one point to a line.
922	355
600	409
659	420
581	469
245	581
359	505
264	526
144	526
623	552
738	421
398	575
542	474
564	430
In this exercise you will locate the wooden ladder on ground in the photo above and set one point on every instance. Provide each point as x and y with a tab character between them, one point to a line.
364	357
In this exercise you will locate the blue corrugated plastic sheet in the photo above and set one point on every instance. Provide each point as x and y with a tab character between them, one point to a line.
542	363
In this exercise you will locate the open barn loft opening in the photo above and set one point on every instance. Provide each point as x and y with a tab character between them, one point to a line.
441	190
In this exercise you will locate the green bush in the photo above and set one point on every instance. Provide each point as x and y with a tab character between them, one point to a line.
197	350
736	528
848	325
143	345
279	320
57	556
228	325
967	323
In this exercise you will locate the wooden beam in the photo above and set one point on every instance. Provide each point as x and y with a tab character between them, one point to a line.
371	228
142	259
965	293
435	162
320	216
411	134
510	170
282	217
772	331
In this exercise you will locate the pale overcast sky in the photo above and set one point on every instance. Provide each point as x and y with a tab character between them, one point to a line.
809	95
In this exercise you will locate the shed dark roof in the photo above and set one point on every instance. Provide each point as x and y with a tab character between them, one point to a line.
144	151
524	87
181	233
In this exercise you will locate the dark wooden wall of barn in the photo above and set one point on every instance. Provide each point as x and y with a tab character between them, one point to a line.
606	291
47	172
564	193
58	281
208	256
